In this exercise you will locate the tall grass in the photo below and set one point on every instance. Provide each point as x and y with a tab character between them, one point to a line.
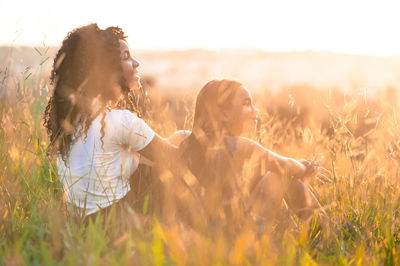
356	137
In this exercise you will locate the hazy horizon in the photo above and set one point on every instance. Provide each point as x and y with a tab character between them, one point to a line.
187	70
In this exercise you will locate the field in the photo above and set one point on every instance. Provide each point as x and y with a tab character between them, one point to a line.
343	110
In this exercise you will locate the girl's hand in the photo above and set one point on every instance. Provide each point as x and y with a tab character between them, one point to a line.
314	171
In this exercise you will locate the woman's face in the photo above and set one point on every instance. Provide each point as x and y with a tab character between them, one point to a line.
242	117
129	66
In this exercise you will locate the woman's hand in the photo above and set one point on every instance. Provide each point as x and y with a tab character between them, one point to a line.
314	171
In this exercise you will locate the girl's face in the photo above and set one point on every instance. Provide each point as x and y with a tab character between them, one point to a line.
129	66
242	116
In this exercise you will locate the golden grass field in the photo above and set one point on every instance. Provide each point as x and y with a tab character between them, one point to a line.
342	109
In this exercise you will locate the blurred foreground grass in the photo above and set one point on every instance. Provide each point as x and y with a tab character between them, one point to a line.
355	136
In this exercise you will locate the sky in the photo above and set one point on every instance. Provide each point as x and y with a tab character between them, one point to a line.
352	26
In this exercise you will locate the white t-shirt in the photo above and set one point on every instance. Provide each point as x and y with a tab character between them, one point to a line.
96	176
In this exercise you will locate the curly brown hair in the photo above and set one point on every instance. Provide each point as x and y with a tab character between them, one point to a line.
86	67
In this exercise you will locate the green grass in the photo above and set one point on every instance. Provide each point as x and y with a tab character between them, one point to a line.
357	138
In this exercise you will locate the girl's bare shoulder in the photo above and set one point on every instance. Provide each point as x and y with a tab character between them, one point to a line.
237	145
242	146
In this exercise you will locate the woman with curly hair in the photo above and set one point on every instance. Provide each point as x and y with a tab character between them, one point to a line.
240	178
91	120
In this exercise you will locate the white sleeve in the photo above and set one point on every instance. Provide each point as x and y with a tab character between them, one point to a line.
135	132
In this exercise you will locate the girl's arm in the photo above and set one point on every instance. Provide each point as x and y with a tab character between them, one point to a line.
247	149
281	164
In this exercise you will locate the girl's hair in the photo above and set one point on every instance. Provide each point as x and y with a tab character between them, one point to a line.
205	151
213	99
86	67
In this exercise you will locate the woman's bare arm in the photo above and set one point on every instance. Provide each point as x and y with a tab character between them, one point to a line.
178	136
162	152
245	149
248	150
